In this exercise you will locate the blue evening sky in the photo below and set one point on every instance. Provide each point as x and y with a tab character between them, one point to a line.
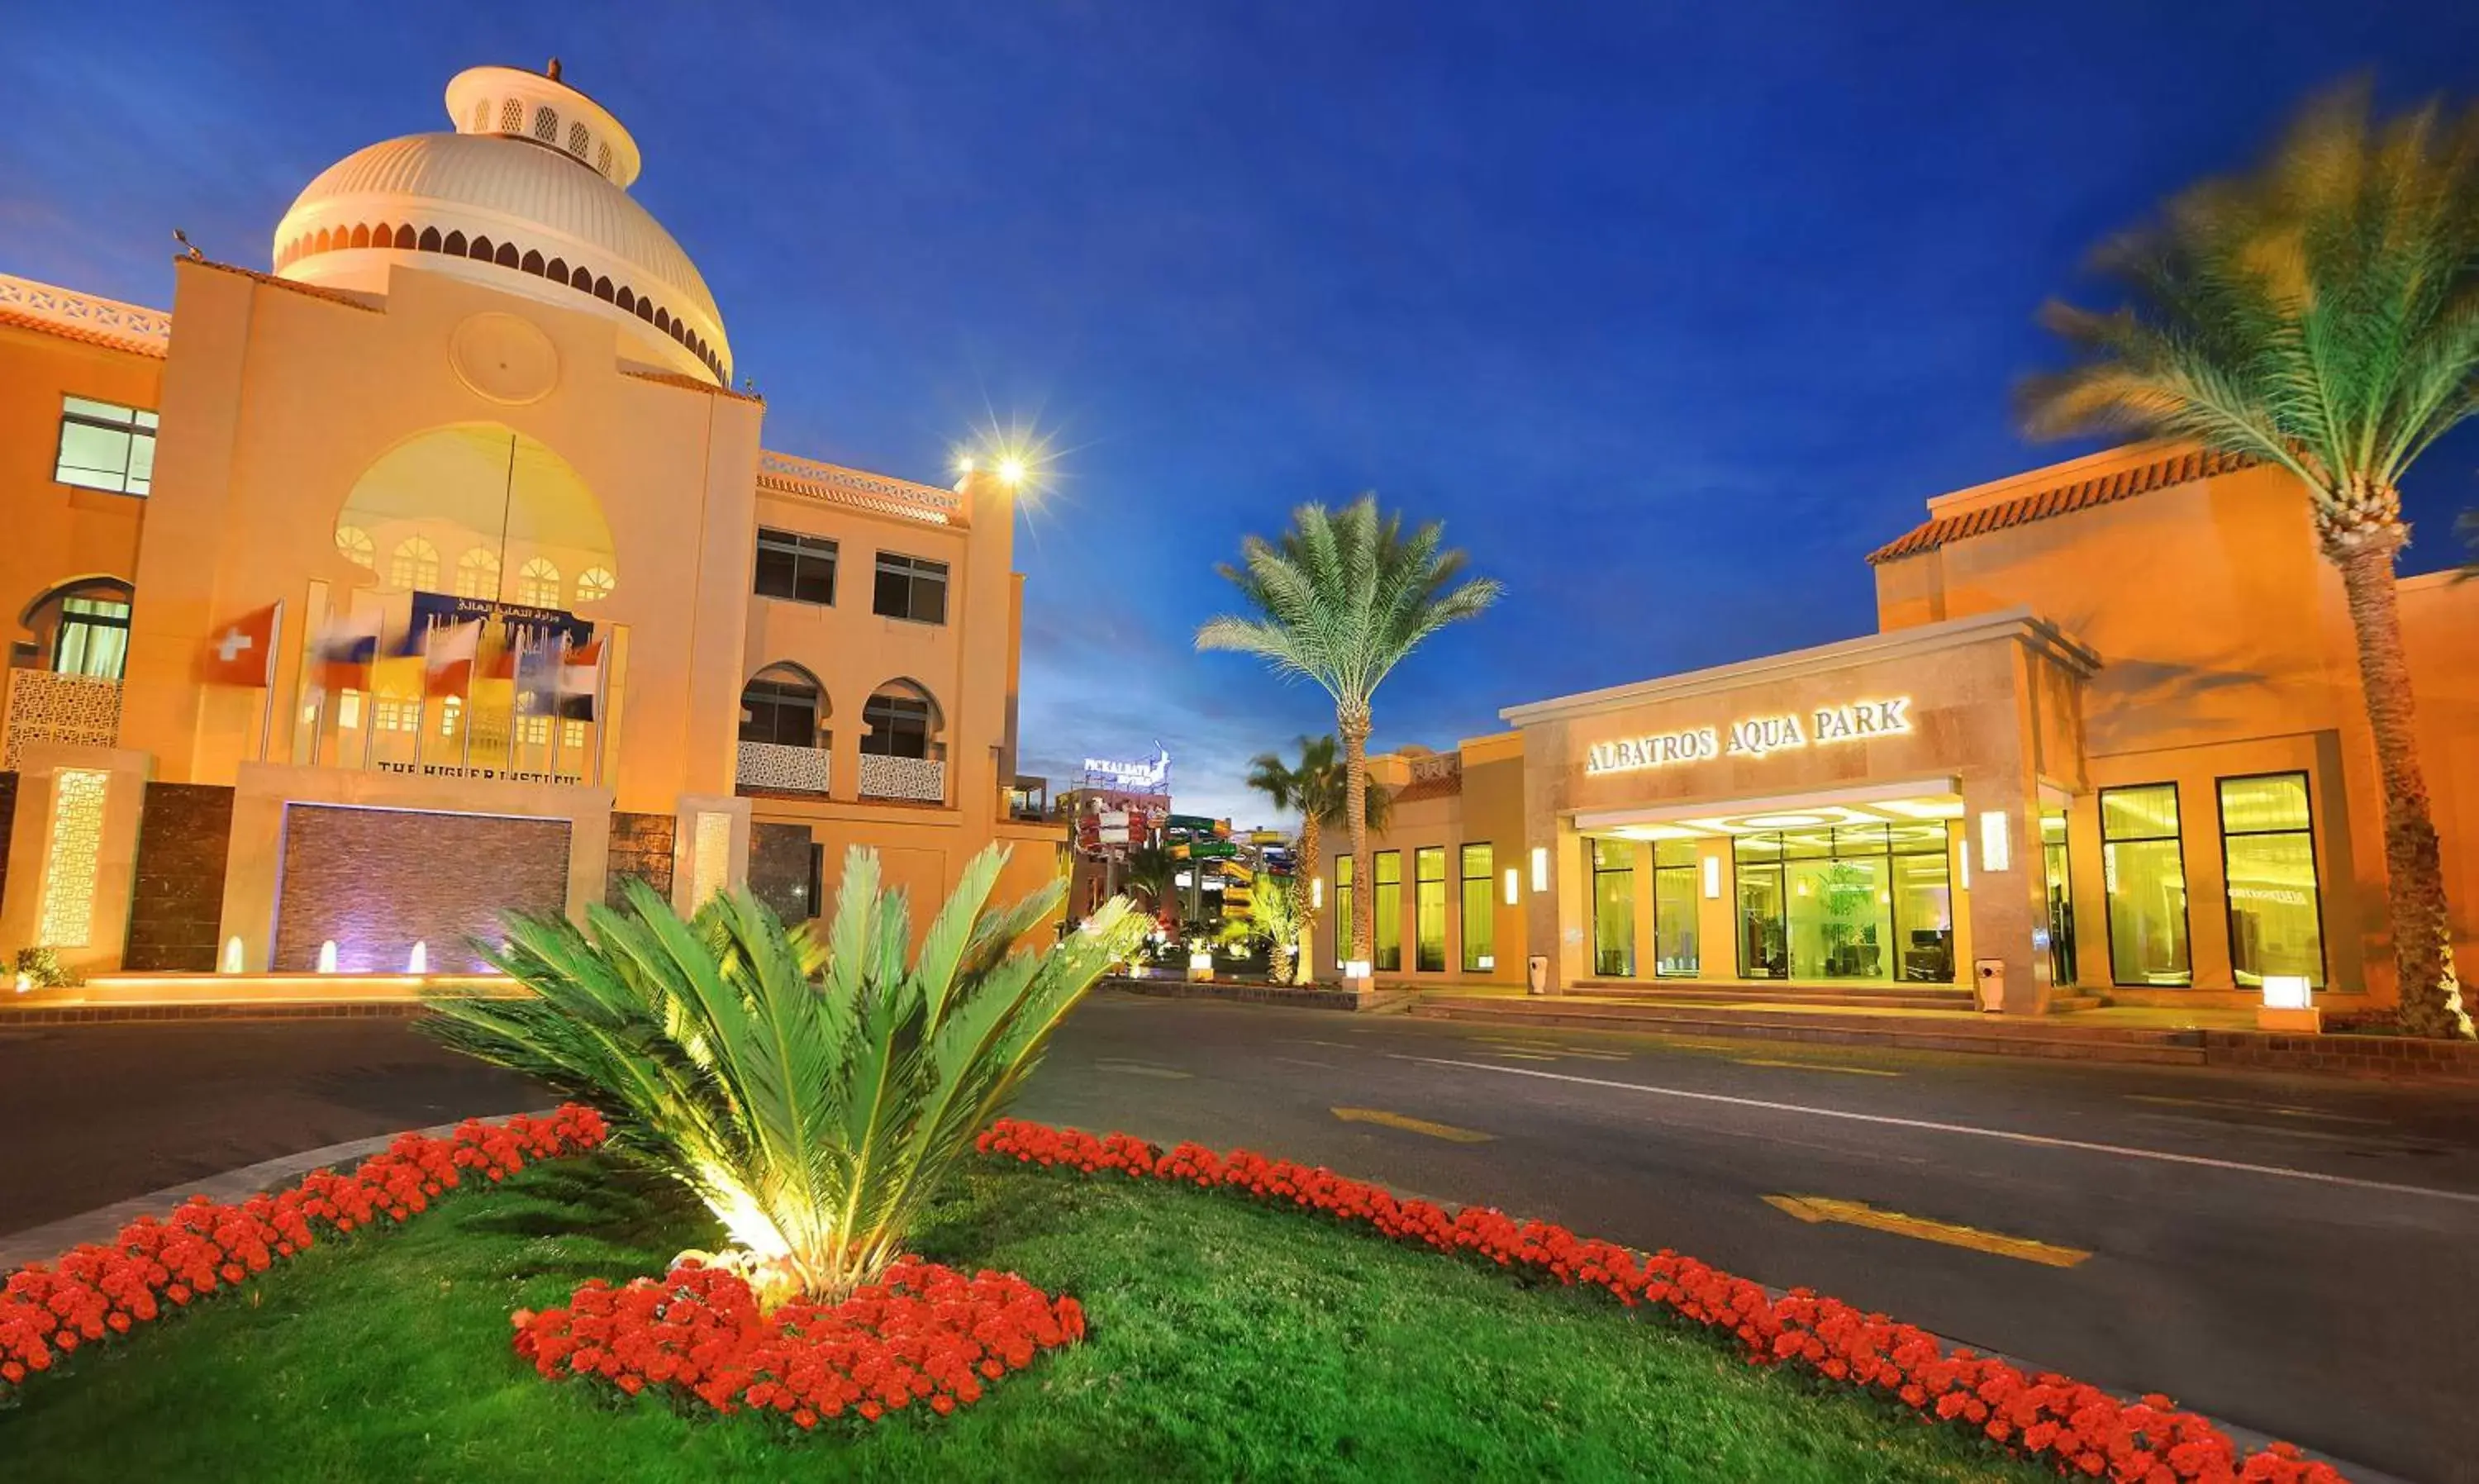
1670	311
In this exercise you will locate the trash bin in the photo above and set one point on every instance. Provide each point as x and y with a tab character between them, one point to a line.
1536	973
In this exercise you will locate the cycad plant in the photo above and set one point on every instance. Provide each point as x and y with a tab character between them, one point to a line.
1273	920
813	1093
2320	314
1317	787
1341	599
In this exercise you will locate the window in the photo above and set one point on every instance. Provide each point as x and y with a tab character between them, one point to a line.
910	587
1674	954
781	707
2058	878
1386	912
2143	874
356	547
477	574
577	139
545	126
1481	910
414	564
594	584
2268	857
93	637
449	710
899	723
392	713
538	584
1429	910
1342	909
1613	909
533	730
572	734
104	446
799	568
512	116
1870	901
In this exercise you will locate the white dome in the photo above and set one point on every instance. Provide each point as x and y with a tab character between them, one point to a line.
531	185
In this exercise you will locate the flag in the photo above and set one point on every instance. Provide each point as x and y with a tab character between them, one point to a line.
580	681
347	648
448	658
243	652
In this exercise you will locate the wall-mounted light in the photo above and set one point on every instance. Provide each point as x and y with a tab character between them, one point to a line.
1317	893
232	955
1541	868
1962	862
1712	878
328	957
417	961
1996	841
1513	885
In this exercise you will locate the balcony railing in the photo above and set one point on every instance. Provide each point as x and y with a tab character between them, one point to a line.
774	768
921	779
44	707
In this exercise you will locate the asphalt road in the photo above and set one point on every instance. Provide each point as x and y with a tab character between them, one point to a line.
2295	1255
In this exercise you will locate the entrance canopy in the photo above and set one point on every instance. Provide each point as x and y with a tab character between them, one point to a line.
1890	803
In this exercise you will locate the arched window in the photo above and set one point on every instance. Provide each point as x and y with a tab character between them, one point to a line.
480	248
481	116
557	269
577	139
902	721
414	564
429	242
80	628
477	574
594	584
628	300
512	117
538	584
362	236
357	548
507	257
783	704
545	126
602	159
531	263
454	246
404	239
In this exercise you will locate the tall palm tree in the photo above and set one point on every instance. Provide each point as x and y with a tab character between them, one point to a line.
1341	599
2320	314
1316	788
1151	872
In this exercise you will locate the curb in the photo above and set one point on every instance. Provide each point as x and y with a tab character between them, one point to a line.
29	1017
1238	992
41	1244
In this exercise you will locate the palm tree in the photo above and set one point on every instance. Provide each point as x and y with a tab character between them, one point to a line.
1151	872
1341	599
1316	788
813	1093
2321	315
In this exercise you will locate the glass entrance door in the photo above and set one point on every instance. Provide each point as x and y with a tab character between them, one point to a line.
2062	896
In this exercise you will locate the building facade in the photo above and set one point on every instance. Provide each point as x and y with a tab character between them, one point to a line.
544	611
2109	741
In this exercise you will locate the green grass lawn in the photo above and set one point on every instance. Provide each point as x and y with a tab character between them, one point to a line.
1227	1343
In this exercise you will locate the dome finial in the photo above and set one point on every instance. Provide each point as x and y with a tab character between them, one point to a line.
552	70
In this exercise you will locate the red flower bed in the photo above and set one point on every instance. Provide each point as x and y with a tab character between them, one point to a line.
2080	1430
923	1334
158	1267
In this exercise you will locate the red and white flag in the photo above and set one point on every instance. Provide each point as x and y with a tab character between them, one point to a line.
580	681
243	652
448	658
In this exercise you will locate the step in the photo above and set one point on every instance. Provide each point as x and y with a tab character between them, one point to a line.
1886	997
1987	1038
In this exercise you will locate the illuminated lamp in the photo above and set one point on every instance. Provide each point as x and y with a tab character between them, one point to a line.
1996	840
1784	821
25	983
232	964
1317	893
1712	878
328	957
1962	863
1357	968
2289	1005
1541	868
417	961
1514	886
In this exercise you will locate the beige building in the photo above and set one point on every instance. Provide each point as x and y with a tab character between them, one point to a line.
484	397
2109	741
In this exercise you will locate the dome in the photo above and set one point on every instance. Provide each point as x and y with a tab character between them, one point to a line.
529	195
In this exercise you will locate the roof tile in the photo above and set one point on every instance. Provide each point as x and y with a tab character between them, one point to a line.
2060	499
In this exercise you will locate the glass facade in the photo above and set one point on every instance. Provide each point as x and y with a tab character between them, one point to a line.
1480	910
1386	909
1867	901
1675	952
1429	910
2269	855
2143	873
2058	879
1614	909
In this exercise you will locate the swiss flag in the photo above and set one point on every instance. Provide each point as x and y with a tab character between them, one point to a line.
243	652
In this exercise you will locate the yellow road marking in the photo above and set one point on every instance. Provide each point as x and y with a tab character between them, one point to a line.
1409	1125
1140	1070
1816	1066
1814	1208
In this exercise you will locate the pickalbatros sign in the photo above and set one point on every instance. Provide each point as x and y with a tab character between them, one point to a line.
1754	737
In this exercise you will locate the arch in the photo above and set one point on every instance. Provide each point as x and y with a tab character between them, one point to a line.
429	239
454	246
404	239
360	237
506	256
663	320
355	546
785	704
902	720
512	117
581	278
477	574
601	288
545	126
538	583
481	124
531	263
479	249
577	139
627	300
646	310
556	268
602	159
79	626
319	242
414	564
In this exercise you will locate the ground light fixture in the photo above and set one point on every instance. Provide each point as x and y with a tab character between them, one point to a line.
328	957
232	962
2289	1005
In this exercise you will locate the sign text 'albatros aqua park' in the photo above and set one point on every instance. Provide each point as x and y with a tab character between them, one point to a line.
1754	737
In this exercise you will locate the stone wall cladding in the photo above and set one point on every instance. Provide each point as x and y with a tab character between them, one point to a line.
7	822
640	846
778	869
379	881
2402	1058
177	902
